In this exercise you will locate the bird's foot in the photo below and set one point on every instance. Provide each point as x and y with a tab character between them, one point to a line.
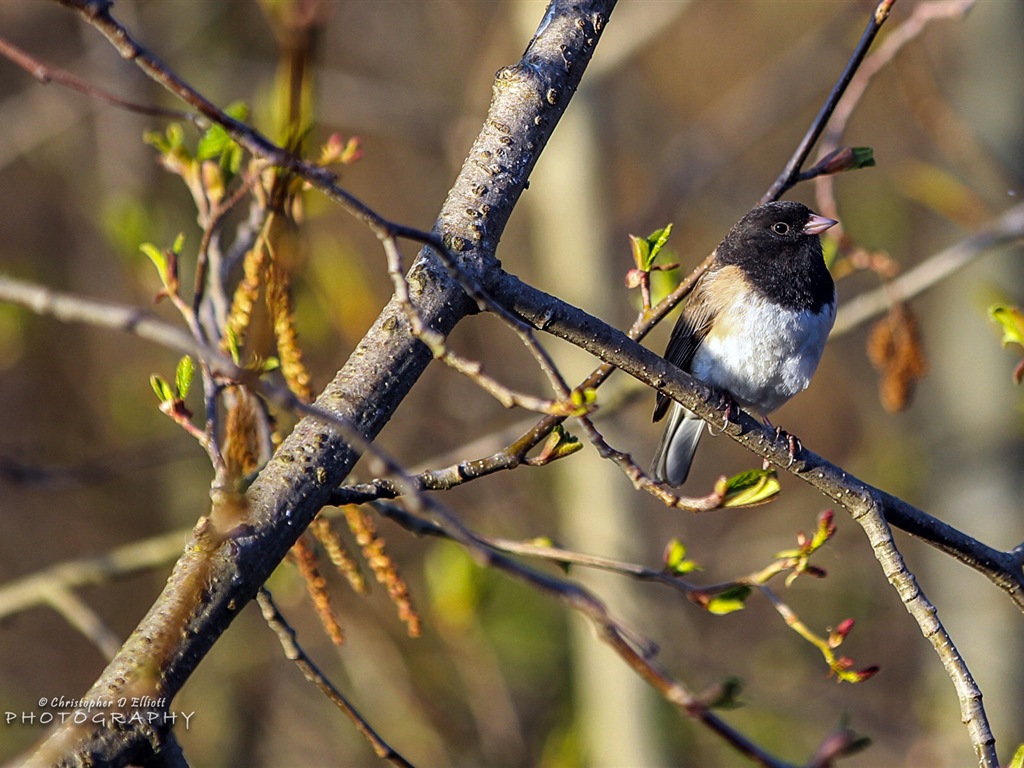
726	401
792	442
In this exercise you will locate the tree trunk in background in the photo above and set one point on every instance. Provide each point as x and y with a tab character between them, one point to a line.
596	505
975	452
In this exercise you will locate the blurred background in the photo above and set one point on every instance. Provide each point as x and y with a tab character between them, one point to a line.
686	115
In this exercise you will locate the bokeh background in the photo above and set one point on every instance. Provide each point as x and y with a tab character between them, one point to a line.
688	112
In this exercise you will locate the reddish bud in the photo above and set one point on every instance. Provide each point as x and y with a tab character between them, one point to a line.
864	674
845	159
635	278
837	635
699	598
842	742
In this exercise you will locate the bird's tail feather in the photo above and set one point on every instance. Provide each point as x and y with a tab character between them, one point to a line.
678	444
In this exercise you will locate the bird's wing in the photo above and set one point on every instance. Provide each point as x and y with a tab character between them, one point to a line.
693	325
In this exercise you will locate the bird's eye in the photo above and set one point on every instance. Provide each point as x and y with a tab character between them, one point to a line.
780	227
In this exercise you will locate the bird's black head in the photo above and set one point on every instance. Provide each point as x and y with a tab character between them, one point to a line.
777	247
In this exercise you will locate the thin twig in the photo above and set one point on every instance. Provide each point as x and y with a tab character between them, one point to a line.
82	617
790	174
127	560
47	73
922	15
293	651
473	370
1007	229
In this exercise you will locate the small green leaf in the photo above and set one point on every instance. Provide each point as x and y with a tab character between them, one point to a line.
755	486
641	252
163	390
179	243
658	239
216	143
212	143
239	110
729	601
863	157
1017	761
175	135
646	249
675	559
183	376
675	553
171	141
232	159
158	257
1011	319
558	445
566	443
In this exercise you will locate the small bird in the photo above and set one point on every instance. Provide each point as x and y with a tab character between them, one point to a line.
754	327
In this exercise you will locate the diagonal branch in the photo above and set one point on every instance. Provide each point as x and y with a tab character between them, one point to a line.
791	173
528	99
1007	229
614	347
290	645
47	73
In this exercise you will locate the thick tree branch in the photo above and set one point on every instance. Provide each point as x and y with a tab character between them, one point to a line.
612	346
205	592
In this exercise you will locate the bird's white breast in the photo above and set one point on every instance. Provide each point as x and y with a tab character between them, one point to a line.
763	354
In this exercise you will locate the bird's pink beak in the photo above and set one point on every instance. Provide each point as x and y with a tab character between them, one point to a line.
818	224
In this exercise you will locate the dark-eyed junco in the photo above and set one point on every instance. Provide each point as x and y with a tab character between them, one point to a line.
755	325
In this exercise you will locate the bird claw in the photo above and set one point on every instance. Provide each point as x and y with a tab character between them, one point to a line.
792	442
726	401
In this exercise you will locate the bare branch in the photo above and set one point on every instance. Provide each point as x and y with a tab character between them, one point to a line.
1007	229
923	14
82	617
137	557
790	173
293	651
47	73
872	520
612	346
